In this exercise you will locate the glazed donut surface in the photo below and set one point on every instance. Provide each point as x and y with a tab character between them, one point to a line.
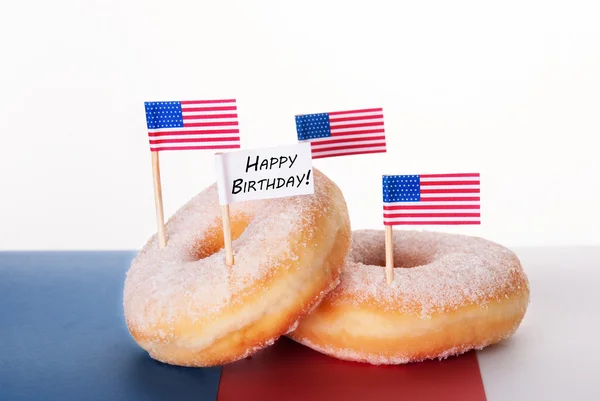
450	294
185	306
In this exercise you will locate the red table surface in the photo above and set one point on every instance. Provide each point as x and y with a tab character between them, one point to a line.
290	371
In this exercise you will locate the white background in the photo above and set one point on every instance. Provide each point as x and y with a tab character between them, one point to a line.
510	89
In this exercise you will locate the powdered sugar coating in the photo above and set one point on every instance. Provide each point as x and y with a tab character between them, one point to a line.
164	284
446	272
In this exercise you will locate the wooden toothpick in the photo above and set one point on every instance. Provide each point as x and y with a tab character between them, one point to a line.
160	219
227	235
389	255
227	242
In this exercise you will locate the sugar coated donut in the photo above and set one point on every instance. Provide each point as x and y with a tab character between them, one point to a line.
185	306
450	294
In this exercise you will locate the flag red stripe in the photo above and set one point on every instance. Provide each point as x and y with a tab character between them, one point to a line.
207	101
371	117
359	152
196	132
329	149
429	215
364	131
216	108
210	116
212	124
197	147
373	124
192	140
402	223
451	199
449	175
430	207
333	113
451	191
434	183
351	140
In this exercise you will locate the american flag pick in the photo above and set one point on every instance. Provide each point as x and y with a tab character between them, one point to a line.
431	199
193	124
343	133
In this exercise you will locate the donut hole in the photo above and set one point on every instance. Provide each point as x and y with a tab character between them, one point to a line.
405	260
213	240
402	259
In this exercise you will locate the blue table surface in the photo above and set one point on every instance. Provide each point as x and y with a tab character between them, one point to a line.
63	335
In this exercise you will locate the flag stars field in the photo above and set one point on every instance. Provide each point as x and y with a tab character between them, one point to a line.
395	188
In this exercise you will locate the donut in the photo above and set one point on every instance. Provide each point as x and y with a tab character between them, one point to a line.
450	294
184	306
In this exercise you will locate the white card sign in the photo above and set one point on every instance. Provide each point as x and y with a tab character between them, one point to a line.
264	173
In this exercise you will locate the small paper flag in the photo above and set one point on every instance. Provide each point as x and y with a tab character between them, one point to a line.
193	124
343	133
431	199
265	173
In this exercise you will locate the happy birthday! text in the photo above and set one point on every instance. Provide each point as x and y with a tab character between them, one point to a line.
265	184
